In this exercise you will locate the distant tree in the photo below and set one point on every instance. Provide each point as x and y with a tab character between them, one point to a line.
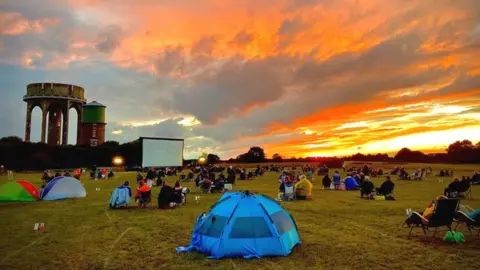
213	159
254	155
11	140
277	158
405	154
111	143
462	152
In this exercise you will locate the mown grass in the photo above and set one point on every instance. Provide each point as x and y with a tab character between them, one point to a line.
338	231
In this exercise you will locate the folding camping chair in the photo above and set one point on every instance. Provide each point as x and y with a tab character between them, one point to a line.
472	224
443	216
465	190
227	187
289	194
144	199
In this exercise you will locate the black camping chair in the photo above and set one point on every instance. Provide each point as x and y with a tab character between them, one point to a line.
165	197
177	196
443	216
465	189
144	199
472	224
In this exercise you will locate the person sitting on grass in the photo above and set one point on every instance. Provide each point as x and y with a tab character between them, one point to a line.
218	185
337	180
243	175
367	189
326	181
139	177
475	180
452	189
142	197
205	185
303	189
469	211
127	186
427	214
121	196
386	188
177	186
222	177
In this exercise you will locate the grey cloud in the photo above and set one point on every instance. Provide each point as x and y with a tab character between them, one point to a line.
291	26
323	97
220	98
235	86
204	45
389	55
242	38
171	60
109	39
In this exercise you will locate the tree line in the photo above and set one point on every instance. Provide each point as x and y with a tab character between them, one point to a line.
15	154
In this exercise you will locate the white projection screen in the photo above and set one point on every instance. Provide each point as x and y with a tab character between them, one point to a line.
162	152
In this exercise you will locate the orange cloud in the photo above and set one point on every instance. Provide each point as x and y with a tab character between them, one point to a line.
12	23
300	77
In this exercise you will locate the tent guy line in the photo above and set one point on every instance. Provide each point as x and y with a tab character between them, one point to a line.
23	248
105	263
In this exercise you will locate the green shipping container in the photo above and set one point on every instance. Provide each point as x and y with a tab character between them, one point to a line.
93	112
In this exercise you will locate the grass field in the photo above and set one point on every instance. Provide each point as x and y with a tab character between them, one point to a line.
338	231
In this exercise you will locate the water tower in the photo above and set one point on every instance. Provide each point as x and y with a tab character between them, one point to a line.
55	100
93	124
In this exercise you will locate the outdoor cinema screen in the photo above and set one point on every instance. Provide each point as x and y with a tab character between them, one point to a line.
160	152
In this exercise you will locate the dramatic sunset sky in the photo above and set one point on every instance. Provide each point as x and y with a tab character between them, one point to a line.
297	77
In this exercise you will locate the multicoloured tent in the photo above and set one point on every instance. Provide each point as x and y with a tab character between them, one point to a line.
242	224
19	191
63	188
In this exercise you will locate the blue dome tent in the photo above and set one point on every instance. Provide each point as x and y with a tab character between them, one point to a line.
63	188
242	224
351	183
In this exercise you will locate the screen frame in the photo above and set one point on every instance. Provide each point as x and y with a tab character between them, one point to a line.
160	139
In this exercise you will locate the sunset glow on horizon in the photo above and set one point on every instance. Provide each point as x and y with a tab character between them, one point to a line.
296	77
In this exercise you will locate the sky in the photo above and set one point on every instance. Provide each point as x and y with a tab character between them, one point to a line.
296	77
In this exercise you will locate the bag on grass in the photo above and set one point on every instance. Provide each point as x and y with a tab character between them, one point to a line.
454	237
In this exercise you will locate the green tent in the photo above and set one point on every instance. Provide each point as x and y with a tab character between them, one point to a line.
18	191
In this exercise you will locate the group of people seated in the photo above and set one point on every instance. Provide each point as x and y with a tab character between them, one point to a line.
476	178
457	187
385	191
101	173
168	197
294	188
429	211
351	182
360	181
47	175
445	173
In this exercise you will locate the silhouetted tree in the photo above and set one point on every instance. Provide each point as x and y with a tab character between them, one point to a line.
277	158
18	155
212	158
407	155
463	152
254	155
